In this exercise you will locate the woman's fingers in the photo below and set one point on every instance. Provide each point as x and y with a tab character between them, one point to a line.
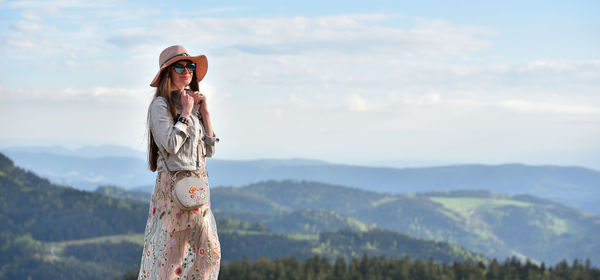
187	102
198	96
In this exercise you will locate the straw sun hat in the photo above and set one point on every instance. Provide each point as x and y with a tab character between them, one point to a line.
176	53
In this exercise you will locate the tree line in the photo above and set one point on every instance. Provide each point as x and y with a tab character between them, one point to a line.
382	268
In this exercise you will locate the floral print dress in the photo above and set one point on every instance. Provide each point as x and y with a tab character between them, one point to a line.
178	244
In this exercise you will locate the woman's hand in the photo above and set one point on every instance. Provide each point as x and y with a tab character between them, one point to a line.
200	98
187	103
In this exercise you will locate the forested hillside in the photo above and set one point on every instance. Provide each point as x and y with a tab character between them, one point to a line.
366	268
31	204
497	225
73	234
57	232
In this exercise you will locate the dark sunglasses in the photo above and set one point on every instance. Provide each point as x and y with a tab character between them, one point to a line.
179	68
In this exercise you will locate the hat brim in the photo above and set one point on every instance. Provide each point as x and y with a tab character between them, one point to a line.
201	67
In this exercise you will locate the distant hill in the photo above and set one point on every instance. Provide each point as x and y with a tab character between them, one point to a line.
84	172
118	192
84	152
313	221
345	243
573	186
496	225
49	212
57	232
86	168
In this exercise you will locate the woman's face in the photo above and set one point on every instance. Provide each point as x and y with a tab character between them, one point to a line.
180	80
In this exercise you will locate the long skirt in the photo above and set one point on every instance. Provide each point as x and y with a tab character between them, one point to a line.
178	244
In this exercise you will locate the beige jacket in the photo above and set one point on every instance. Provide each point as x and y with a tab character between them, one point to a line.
185	145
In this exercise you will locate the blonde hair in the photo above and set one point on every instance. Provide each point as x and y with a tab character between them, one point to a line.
166	89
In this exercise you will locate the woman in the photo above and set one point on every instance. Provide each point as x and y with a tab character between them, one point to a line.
179	244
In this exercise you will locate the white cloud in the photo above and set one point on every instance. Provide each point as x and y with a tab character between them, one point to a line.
59	4
92	95
358	104
413	82
30	15
344	33
529	106
560	65
24	26
426	99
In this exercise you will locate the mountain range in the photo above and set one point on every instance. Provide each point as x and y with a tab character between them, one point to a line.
89	167
497	225
50	231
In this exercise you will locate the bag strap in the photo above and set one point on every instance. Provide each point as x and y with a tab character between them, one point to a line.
163	157
164	160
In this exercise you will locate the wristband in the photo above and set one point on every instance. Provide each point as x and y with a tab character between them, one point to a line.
184	120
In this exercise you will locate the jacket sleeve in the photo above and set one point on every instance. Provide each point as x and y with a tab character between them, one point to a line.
167	134
209	144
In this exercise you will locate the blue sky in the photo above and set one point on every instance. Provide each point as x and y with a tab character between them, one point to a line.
396	83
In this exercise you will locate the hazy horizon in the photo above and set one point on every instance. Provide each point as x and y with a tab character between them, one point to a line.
400	163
